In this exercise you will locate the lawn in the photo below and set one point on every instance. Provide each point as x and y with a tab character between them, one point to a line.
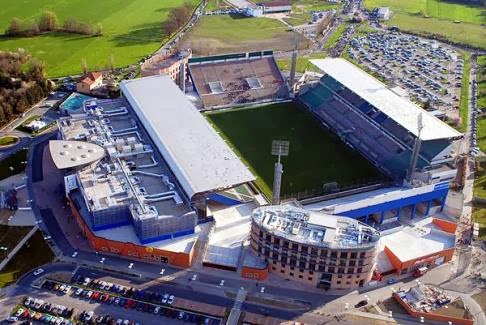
34	253
316	156
335	36
13	164
443	10
481	81
303	62
132	29
237	33
464	99
217	4
8	140
438	17
479	211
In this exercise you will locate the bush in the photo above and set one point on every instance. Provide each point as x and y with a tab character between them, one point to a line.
72	25
20	28
48	21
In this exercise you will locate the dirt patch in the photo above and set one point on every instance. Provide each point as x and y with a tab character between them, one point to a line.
454	309
393	305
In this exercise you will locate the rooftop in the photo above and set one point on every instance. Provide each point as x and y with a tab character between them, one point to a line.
199	158
423	238
70	154
401	110
315	228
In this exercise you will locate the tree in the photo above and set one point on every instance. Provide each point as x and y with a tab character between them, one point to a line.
36	71
31	28
84	66
48	21
15	27
98	29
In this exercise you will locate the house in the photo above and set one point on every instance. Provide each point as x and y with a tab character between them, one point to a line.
89	82
276	6
383	13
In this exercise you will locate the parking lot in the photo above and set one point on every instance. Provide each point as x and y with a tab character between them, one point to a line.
429	71
92	301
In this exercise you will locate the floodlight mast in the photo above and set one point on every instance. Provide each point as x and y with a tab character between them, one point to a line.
279	148
416	149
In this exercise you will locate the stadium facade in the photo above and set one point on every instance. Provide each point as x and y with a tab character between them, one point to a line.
139	170
385	128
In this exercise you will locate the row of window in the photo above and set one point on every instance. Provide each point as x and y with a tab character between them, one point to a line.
303	249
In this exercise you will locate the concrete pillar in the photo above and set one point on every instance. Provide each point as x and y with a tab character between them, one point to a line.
414	208
382	217
429	203
398	213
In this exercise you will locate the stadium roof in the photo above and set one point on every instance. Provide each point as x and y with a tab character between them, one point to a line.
401	110
199	158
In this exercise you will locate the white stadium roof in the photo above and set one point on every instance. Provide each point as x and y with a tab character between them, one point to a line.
196	154
401	110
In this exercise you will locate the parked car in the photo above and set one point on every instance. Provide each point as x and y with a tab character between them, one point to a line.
361	303
38	271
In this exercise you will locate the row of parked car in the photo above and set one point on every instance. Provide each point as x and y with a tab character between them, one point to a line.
40	311
124	292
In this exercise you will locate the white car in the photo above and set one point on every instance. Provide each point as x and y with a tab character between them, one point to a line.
89	315
12	319
170	301
19	312
62	288
165	298
78	291
38	271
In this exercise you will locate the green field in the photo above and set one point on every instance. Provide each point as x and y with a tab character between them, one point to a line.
335	36
438	17
481	81
464	98
316	156
236	33
132	29
8	140
303	62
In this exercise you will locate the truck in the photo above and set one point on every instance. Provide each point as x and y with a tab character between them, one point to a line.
420	271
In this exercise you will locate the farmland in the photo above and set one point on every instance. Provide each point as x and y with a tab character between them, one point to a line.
131	29
458	22
236	33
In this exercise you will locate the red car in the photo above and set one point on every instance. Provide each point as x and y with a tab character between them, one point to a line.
95	295
130	304
105	297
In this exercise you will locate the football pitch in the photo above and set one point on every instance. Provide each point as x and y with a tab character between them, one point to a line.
316	156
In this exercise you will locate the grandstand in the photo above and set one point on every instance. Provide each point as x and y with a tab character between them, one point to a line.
371	118
236	79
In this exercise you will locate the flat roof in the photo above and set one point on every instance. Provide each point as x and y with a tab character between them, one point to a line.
71	153
422	239
398	108
200	159
232	229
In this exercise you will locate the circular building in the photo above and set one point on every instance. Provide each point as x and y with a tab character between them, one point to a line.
326	251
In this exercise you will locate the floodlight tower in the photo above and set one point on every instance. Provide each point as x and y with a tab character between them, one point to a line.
279	148
416	149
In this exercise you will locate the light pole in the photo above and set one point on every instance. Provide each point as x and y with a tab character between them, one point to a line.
279	148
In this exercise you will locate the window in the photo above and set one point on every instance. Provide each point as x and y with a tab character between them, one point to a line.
362	255
276	242
350	270
274	268
352	263
342	262
309	278
274	262
302	265
312	267
314	251
344	255
338	282
340	276
301	270
349	276
293	262
301	277
323	253
333	255
261	234
295	246
360	269
275	255
286	244
268	237
291	273
341	270
354	255
304	249
283	264
330	269
282	271
311	272
348	282
322	268
292	268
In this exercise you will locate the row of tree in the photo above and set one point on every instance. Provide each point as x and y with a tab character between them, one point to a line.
177	17
48	22
22	84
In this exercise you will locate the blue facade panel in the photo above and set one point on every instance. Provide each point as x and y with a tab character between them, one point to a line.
223	199
110	226
440	191
167	236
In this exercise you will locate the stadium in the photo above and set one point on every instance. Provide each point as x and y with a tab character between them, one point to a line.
154	175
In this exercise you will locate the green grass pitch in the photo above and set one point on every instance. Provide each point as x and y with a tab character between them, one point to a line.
316	156
132	29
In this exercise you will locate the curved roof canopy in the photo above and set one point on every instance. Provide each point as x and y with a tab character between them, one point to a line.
71	154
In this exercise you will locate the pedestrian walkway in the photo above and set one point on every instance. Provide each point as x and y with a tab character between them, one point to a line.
235	313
